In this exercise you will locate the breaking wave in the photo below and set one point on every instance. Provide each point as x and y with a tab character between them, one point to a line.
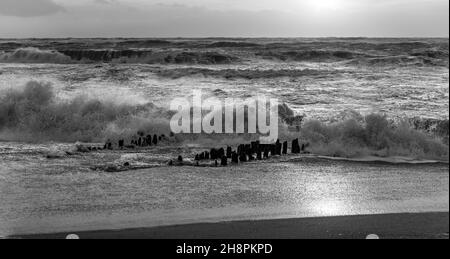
34	55
375	135
421	57
35	114
409	57
360	52
131	56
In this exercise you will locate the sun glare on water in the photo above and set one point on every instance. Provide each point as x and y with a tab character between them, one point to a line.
330	208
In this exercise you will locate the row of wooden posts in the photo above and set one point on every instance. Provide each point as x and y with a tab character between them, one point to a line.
250	152
140	141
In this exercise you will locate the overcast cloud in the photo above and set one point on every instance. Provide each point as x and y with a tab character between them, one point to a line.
29	8
204	18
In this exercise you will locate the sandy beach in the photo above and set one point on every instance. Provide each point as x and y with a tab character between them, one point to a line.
388	226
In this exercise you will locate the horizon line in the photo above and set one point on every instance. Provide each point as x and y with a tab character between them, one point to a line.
233	37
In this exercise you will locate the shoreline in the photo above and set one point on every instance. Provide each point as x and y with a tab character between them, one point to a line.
433	225
390	160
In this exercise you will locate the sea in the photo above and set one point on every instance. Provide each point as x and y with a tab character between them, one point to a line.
373	111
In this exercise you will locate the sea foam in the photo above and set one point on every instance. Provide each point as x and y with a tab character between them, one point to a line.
35	114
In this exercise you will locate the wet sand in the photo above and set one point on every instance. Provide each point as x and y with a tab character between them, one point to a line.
389	226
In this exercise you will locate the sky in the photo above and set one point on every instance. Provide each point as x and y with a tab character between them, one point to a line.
224	18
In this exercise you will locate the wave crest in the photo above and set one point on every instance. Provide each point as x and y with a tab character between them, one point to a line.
34	55
35	114
375	135
131	56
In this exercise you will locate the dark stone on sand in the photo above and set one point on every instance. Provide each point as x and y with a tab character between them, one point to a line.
258	146
155	140
266	153
126	164
240	149
180	159
221	153
253	147
229	152
248	149
279	148
296	147
213	154
259	155
304	147
224	161
285	148
273	149
235	158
